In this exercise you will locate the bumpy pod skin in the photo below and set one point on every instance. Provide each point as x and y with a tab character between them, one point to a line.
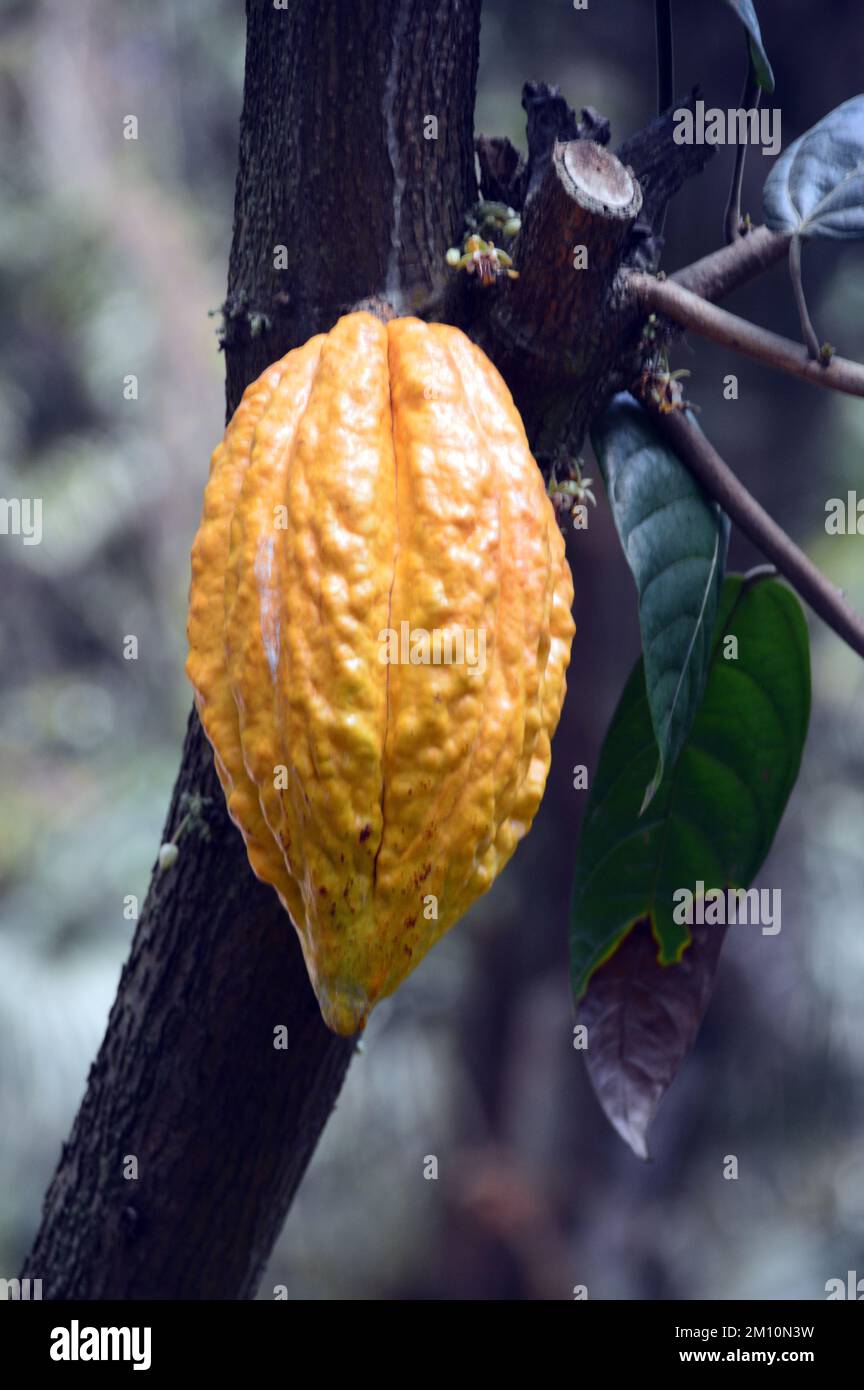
374	497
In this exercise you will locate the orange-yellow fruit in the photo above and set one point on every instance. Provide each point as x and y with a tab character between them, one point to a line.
374	497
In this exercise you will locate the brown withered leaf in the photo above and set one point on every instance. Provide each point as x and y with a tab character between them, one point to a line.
642	1019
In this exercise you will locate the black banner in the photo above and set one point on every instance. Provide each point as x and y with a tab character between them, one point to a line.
159	1339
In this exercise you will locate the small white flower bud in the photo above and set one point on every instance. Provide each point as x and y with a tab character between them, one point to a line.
168	854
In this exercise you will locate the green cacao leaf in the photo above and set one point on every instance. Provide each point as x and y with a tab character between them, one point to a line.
758	57
816	187
716	812
674	539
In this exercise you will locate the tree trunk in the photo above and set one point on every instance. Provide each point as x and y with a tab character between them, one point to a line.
188	1089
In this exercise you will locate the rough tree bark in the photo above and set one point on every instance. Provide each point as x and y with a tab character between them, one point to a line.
341	201
549	333
333	166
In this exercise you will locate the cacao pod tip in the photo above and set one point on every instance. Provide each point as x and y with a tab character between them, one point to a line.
345	1009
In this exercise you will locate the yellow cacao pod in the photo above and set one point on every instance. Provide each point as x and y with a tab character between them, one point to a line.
379	629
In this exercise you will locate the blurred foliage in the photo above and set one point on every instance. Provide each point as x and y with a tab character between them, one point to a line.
111	254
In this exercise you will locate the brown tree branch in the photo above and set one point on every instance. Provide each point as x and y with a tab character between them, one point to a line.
721	272
550	122
509	177
741	507
670	298
565	338
554	333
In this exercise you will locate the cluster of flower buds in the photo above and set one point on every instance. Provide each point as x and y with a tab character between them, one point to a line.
479	254
661	388
482	258
566	487
493	219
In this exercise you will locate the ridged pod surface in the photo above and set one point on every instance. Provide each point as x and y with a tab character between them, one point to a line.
374	497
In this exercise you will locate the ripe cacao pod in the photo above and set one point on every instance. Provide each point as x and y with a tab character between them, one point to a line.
373	485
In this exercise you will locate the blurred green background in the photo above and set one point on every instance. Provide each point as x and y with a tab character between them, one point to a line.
112	252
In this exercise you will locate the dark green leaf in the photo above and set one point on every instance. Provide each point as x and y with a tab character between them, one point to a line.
675	543
716	813
758	57
816	188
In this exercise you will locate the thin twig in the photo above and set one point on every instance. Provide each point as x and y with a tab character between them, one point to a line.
691	311
810	337
750	98
665	76
665	55
720	482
